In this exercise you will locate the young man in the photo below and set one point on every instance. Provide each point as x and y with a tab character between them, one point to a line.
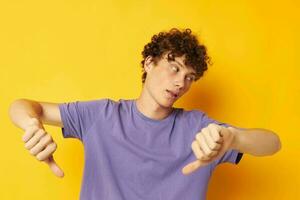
145	148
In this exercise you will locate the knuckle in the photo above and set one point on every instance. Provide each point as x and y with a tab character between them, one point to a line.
26	146
32	152
194	143
46	138
205	158
52	146
214	153
44	155
210	153
34	128
34	122
198	156
39	157
28	132
211	125
214	146
207	152
41	132
49	138
31	128
210	146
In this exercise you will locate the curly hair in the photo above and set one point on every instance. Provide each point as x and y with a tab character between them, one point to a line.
177	43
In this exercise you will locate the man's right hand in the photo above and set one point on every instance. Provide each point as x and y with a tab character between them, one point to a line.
41	145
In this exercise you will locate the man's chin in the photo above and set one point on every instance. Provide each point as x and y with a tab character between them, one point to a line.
168	104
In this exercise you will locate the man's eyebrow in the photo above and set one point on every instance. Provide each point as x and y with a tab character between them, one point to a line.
179	63
183	67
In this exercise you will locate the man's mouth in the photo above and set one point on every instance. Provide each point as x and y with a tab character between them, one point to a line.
173	94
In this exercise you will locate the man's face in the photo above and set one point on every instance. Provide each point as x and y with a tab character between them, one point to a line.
167	81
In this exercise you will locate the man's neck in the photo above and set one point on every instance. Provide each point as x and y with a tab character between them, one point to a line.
150	108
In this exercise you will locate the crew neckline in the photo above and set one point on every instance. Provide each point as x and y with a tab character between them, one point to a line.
150	119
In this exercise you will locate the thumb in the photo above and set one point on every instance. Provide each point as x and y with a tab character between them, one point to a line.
193	166
54	167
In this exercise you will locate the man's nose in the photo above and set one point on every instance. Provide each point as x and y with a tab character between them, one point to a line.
179	82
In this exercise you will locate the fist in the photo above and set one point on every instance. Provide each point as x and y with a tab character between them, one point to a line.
41	145
37	141
210	143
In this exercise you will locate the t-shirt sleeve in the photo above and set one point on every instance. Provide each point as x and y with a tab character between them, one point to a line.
232	156
78	116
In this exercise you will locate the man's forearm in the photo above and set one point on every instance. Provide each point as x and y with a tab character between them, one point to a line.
257	142
22	110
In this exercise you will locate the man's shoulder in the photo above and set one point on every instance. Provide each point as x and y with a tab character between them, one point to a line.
195	113
97	101
88	105
191	116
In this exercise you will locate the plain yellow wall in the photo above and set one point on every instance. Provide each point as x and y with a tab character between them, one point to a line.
61	51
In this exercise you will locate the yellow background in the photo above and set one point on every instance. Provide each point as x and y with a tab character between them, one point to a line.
60	51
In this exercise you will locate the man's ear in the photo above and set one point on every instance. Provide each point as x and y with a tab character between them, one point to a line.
148	64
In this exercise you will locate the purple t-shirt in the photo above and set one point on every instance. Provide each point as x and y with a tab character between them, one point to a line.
129	156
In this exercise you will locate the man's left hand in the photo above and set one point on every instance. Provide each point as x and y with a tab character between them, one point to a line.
210	144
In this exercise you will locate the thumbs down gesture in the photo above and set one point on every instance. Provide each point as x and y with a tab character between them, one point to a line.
210	144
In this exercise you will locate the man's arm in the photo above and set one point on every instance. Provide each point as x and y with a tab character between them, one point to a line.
255	141
214	140
30	115
22	110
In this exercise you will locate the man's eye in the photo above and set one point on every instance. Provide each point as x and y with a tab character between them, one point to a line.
190	78
174	68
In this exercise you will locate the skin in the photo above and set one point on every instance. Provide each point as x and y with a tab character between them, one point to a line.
211	142
30	116
154	102
41	145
